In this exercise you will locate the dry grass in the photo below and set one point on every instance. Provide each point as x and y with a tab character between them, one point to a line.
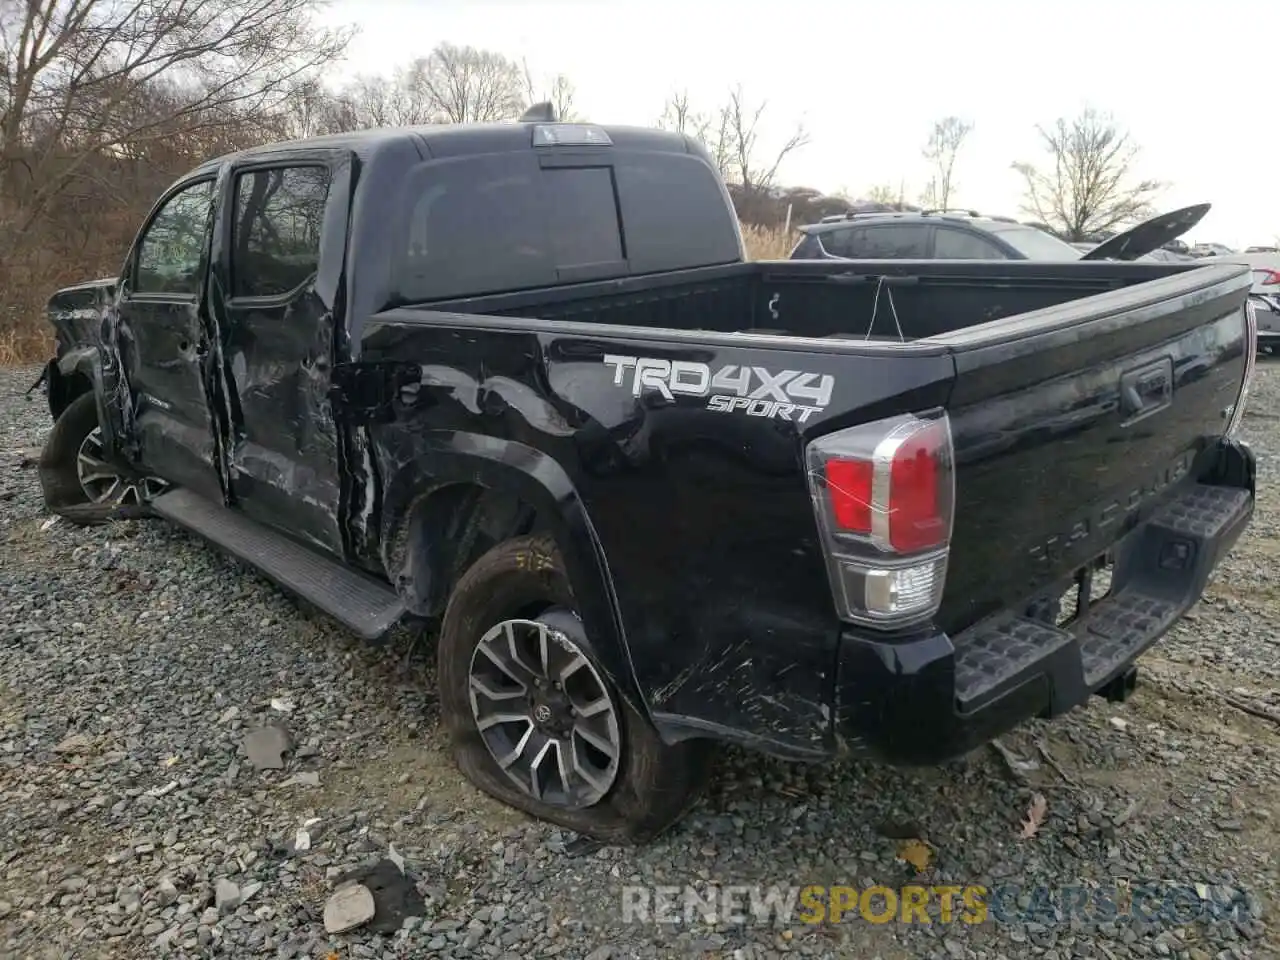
766	244
31	344
30	340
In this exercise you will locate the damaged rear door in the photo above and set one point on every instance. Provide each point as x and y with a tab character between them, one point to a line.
278	322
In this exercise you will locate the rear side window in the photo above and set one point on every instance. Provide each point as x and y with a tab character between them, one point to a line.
844	243
952	244
501	222
276	236
807	249
895	241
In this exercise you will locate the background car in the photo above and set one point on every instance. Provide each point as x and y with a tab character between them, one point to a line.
968	235
928	235
1266	273
1210	250
1265	293
1167	255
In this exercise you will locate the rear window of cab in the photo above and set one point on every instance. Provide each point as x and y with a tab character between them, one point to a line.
499	222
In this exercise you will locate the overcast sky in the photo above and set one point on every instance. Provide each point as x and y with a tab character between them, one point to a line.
1195	83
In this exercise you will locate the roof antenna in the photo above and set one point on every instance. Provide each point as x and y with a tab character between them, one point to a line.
544	112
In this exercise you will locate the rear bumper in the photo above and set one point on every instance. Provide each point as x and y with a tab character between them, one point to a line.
932	699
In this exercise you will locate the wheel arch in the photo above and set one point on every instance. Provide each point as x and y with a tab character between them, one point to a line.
457	495
70	376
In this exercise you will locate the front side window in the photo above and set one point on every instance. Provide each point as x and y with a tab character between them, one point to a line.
276	236
1035	244
172	250
952	244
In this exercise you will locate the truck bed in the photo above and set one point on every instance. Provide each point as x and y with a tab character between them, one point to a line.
877	301
1082	398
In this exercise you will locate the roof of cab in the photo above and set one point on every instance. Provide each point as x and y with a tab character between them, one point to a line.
454	140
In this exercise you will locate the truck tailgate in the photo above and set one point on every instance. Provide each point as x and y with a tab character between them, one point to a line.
1075	423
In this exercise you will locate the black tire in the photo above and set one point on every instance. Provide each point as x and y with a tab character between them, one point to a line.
59	479
656	783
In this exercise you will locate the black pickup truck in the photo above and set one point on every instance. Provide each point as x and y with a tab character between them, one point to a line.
517	383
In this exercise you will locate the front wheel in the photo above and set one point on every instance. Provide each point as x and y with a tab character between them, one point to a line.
77	480
534	719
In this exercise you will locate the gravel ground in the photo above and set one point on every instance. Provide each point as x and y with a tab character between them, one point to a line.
133	662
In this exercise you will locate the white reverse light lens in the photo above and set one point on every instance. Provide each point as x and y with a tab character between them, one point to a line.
896	594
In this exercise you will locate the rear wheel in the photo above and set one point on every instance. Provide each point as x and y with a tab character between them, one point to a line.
77	480
535	720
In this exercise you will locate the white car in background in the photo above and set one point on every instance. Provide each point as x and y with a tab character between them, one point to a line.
1265	292
1266	272
1210	250
1162	255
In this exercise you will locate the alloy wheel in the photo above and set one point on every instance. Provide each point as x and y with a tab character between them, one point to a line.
103	483
545	713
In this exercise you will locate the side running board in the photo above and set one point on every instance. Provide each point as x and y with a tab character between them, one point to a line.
365	605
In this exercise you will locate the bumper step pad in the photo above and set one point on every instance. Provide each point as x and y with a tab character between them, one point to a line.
1161	569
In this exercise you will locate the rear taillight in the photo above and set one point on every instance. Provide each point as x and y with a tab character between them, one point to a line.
1250	361
884	494
1267	278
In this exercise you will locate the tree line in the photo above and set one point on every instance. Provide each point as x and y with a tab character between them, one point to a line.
1083	189
103	103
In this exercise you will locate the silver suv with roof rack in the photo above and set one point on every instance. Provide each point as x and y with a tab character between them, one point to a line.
928	235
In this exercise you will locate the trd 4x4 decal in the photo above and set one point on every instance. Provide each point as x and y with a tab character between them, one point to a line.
756	391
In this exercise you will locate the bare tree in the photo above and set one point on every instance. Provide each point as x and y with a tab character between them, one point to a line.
466	85
313	110
399	101
84	79
944	143
755	167
732	136
104	102
679	116
560	93
885	193
711	130
1088	186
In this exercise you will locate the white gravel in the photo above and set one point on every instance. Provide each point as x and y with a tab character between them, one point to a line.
134	661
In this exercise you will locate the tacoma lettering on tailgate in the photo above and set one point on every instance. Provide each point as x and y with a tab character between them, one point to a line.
1104	515
756	391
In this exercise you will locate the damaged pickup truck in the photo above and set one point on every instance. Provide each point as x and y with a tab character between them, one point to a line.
518	382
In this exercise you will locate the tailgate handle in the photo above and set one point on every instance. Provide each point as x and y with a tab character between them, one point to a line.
1146	390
